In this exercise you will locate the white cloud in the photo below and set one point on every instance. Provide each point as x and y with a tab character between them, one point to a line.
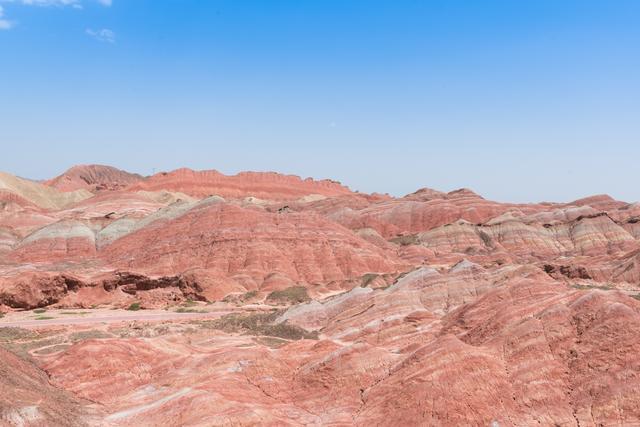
58	3
103	35
4	23
47	3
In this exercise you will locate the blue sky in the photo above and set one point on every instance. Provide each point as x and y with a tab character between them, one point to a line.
519	100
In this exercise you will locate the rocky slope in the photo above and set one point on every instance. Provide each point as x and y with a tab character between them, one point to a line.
430	309
28	398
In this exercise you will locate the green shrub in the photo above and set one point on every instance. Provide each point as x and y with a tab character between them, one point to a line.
189	310
40	310
134	306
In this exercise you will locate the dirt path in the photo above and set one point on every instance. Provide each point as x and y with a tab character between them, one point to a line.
114	318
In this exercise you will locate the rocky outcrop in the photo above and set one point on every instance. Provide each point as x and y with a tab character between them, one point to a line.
32	290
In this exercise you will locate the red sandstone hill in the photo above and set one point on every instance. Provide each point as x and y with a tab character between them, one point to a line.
93	178
228	241
430	309
263	185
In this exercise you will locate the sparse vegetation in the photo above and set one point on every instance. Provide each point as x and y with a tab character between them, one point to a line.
271	342
189	310
12	333
406	240
40	310
259	324
292	295
237	298
44	317
21	343
189	303
586	287
134	306
88	335
249	295
368	278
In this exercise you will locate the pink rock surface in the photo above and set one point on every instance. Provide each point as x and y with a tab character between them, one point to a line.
229	240
263	185
435	308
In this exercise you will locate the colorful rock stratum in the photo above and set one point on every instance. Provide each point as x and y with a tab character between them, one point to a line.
192	298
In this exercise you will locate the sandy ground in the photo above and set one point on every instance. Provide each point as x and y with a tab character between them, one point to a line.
61	317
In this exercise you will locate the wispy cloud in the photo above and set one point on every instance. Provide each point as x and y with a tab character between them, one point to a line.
48	3
103	35
4	23
58	3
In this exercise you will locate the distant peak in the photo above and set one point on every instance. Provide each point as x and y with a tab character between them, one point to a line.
463	192
425	194
93	178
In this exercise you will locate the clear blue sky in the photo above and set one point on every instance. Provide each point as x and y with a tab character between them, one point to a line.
519	100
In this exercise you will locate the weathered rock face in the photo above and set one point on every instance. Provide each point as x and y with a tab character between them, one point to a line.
32	290
413	214
28	399
594	234
93	178
431	309
230	241
58	241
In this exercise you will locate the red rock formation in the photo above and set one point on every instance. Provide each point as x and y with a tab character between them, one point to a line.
230	241
263	185
539	352
430	309
28	290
